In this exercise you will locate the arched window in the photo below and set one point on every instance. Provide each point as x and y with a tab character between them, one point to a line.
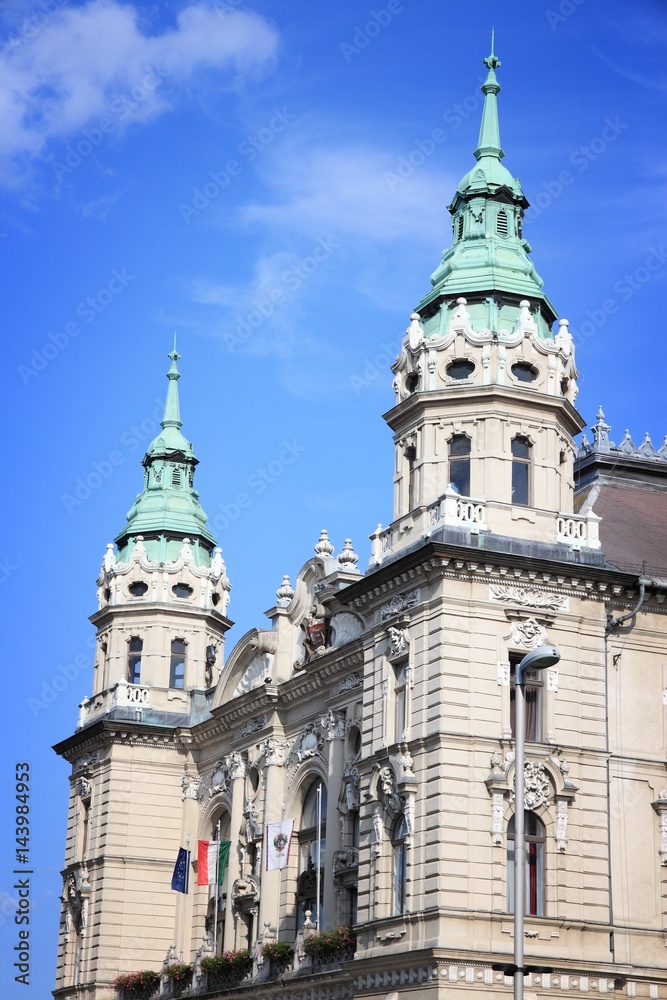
313	829
134	648
177	666
534	836
400	852
459	463
503	224
521	471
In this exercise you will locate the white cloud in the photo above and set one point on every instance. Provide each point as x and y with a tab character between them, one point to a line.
97	60
353	189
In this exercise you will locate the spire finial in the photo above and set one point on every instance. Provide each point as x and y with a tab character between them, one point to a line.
172	410
489	132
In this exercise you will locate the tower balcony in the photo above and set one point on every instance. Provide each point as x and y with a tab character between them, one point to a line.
451	510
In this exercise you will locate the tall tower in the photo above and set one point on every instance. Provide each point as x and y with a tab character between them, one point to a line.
161	622
485	389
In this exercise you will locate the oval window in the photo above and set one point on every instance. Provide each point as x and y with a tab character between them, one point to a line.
138	589
524	372
181	590
461	369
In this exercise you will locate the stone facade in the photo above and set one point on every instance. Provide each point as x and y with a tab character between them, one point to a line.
392	691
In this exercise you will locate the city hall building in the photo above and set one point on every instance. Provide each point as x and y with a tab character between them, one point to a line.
375	707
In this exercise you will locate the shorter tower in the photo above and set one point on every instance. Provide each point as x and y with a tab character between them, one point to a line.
161	622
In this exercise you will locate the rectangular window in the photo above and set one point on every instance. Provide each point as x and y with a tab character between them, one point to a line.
459	464
135	648
400	702
521	471
177	667
533	688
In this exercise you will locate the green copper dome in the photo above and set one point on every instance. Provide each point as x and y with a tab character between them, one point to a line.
489	260
168	509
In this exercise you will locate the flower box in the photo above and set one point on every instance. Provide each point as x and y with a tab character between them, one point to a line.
141	985
338	945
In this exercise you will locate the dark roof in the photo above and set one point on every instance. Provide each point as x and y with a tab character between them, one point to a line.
633	530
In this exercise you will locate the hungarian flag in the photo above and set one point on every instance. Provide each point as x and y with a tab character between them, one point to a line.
180	878
278	840
212	855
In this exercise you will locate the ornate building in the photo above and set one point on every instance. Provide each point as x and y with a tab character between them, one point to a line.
392	690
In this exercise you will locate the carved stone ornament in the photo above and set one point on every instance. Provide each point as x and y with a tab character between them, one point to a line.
536	785
251	726
85	789
346	859
274	752
190	786
245	890
235	765
252	827
527	597
306	746
333	724
399	604
398	642
561	826
350	789
528	633
660	806
353	681
497	818
404	760
388	791
219	778
87	760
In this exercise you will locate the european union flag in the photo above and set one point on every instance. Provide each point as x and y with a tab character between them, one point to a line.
180	878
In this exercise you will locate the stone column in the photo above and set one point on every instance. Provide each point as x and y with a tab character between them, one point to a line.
274	752
333	724
236	769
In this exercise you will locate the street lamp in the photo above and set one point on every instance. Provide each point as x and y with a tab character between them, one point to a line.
537	659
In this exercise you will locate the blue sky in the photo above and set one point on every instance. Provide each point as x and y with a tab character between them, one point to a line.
194	167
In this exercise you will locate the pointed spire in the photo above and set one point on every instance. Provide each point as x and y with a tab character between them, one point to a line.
172	410
489	132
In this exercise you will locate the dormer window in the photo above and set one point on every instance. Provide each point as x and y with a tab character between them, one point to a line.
502	225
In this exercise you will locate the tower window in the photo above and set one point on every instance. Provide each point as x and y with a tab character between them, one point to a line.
177	667
176	478
524	372
459	230
181	590
534	835
521	471
135	647
459	463
400	852
533	692
502	223
138	588
460	369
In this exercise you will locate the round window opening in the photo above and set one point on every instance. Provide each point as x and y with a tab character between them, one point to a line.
524	372
138	589
353	743
181	590
412	382
460	369
253	781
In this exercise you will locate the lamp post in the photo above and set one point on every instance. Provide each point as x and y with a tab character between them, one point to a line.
537	659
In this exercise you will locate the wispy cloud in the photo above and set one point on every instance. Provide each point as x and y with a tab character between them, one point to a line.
85	58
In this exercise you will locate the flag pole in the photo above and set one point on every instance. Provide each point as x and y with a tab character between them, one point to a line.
215	908
319	854
184	894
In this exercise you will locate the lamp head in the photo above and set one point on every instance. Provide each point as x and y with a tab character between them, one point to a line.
537	659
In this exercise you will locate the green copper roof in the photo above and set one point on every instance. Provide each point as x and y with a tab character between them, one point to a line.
489	254
168	509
